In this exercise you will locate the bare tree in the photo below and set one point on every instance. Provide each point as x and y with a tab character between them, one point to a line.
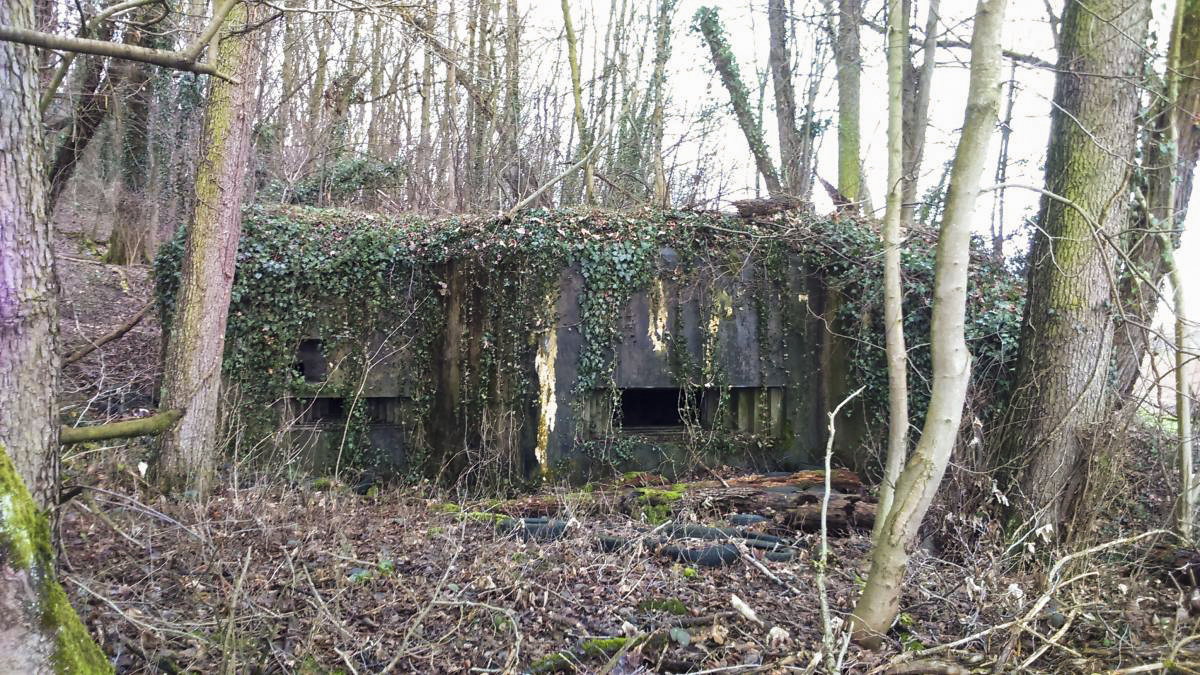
877	607
893	293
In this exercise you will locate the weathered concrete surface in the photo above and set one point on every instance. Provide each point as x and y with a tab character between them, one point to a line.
756	353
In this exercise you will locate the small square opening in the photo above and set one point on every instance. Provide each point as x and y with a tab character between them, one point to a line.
310	361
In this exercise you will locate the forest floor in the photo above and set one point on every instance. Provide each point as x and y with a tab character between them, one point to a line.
303	575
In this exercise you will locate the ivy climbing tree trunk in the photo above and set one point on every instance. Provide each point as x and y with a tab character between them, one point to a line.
192	365
1067	332
893	293
1161	212
709	26
39	631
875	610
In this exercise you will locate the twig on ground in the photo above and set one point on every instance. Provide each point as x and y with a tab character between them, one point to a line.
1048	642
346	660
828	642
510	664
322	606
229	662
89	506
927	667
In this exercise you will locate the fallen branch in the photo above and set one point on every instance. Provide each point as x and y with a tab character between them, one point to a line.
927	667
112	335
146	426
512	213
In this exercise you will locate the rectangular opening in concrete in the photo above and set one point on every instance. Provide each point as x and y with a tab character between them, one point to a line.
658	408
319	411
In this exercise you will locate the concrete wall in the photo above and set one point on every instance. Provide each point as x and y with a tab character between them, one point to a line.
749	351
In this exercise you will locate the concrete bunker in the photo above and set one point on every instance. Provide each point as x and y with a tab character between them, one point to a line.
560	345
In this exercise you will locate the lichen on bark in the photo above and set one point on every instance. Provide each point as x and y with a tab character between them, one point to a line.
39	630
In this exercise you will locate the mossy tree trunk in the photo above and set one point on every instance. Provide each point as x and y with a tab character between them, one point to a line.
39	631
1161	214
585	133
847	54
29	360
192	365
1067	332
918	483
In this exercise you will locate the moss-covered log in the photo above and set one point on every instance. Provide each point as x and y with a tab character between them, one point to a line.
39	630
146	426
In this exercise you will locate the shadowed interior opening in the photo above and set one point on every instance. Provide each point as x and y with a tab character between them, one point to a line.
661	408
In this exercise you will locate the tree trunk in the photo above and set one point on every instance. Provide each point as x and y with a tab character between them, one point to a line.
1139	287
658	86
875	610
708	24
893	293
916	113
1066	337
793	159
585	135
89	112
39	631
192	366
132	239
846	53
29	360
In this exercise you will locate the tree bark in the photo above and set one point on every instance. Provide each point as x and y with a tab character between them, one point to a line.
875	610
29	361
916	113
658	86
708	24
1066	337
794	152
846	53
585	134
192	365
893	293
39	631
1139	287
